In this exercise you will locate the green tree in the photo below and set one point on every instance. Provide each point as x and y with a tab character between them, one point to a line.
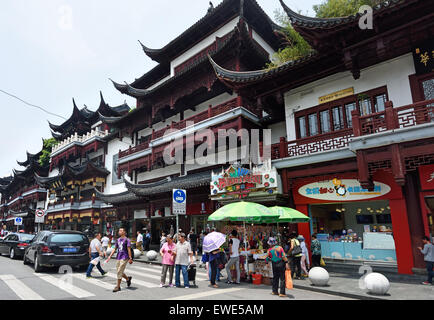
44	159
341	8
295	46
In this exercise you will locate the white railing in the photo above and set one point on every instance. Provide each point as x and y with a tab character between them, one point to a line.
79	139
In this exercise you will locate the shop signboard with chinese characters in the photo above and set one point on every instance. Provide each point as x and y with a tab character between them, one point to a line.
342	190
238	182
426	174
423	57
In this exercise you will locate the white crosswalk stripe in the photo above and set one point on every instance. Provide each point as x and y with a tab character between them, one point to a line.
200	295
144	276
65	286
135	281
157	267
94	281
19	288
199	277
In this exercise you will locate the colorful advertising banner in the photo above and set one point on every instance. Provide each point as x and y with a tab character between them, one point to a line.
237	182
342	190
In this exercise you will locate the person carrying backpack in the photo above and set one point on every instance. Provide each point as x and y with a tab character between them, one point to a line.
295	252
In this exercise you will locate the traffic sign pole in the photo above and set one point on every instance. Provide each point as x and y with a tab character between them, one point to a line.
179	204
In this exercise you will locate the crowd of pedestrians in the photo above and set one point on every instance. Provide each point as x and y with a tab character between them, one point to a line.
180	252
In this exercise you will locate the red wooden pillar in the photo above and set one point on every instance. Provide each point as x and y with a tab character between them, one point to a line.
390	116
356	123
401	233
283	150
304	228
398	167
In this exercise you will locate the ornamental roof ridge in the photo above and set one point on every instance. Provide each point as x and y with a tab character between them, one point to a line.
324	23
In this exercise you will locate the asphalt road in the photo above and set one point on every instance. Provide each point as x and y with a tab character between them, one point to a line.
20	282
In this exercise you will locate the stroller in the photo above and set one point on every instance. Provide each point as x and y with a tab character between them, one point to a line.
192	274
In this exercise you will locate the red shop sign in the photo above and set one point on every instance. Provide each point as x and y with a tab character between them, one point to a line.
426	174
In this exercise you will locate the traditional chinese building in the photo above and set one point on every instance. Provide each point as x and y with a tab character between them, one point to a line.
358	153
77	166
21	195
183	94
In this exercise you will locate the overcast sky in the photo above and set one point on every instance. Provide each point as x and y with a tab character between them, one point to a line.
54	50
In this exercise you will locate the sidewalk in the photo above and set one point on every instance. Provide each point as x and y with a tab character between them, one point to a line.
347	285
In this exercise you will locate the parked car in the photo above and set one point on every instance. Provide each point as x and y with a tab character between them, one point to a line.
14	244
57	248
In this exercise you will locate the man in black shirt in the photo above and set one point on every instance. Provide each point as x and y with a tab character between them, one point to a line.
193	238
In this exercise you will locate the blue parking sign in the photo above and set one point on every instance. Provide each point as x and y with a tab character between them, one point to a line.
179	196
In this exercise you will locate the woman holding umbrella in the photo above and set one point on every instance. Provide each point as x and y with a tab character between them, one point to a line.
211	245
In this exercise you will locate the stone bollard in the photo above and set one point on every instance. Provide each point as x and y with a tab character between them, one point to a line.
137	253
377	284
151	255
319	276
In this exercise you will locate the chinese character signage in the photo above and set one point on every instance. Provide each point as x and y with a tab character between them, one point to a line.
423	57
237	182
336	95
342	190
426	174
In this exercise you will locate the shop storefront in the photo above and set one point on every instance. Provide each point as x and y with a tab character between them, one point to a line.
356	224
426	176
199	213
141	221
162	220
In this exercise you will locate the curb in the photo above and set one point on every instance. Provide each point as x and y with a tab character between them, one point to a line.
339	294
310	288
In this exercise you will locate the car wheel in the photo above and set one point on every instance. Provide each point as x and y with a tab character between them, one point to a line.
25	261
37	266
12	253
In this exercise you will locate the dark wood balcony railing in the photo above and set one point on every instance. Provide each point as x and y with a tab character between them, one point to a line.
211	112
391	118
394	118
320	143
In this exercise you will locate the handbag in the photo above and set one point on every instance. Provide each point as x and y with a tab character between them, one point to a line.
288	280
322	263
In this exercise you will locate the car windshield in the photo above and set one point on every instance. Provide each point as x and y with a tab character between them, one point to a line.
26	237
67	238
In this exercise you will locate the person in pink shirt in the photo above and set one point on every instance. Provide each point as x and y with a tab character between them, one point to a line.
167	252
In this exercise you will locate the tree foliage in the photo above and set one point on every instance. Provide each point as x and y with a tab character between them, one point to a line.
295	46
341	8
44	159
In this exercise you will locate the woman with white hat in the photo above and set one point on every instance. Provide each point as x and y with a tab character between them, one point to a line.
304	255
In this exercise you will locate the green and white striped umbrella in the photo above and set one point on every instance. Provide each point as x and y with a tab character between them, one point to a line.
288	215
244	211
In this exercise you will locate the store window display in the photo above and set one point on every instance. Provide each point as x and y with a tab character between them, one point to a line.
355	231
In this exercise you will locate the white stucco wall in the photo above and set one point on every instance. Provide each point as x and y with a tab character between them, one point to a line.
263	44
157	173
277	130
113	148
392	73
203	44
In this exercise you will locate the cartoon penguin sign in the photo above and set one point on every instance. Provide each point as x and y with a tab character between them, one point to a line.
341	190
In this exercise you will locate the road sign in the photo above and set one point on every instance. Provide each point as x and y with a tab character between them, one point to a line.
19	221
39	216
179	201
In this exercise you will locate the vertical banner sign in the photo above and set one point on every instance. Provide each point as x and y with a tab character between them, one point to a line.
39	216
179	201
